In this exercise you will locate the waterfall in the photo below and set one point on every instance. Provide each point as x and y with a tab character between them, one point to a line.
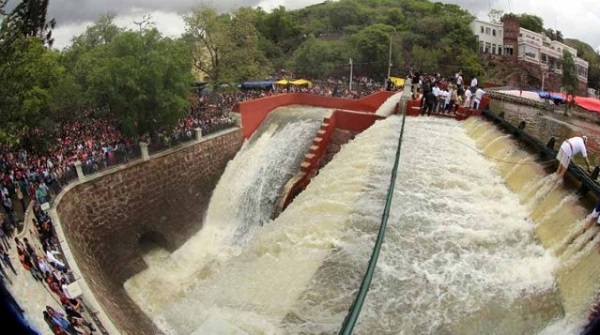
477	241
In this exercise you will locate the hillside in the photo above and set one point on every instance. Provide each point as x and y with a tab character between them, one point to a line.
318	40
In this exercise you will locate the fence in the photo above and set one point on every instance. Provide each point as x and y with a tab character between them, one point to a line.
122	155
214	128
164	142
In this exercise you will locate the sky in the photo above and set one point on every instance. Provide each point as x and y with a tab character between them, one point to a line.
575	19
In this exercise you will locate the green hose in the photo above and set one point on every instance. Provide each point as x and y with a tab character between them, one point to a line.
355	308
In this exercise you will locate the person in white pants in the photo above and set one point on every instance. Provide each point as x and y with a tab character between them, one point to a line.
568	149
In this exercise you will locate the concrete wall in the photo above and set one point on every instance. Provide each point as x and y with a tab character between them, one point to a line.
162	199
253	112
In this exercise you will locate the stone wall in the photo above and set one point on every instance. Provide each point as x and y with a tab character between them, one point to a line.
163	198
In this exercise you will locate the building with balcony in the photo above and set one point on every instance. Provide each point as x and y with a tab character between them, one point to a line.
509	40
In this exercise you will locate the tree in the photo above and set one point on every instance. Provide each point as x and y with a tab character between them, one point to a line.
225	47
145	80
559	36
531	22
371	44
346	12
27	73
318	58
569	75
495	15
426	60
206	34
84	84
243	55
28	19
278	26
101	32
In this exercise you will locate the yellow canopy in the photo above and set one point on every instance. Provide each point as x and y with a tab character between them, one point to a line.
300	82
399	82
297	82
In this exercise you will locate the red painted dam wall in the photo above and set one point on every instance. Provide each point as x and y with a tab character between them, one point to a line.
352	115
345	120
253	112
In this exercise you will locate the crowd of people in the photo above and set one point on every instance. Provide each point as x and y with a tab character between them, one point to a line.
41	258
36	176
98	143
444	95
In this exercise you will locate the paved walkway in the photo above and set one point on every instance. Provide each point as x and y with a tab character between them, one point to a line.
32	295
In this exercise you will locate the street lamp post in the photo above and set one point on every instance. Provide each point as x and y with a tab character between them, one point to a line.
389	73
350	74
543	80
390	59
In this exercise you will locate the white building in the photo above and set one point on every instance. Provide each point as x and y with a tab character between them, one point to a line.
532	47
491	38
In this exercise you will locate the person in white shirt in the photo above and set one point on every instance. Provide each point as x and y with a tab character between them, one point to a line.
50	256
459	80
436	92
448	99
568	149
468	96
474	82
478	96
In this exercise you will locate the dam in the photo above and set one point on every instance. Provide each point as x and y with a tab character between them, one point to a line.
482	238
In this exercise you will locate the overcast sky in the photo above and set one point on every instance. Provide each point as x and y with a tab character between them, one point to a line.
576	18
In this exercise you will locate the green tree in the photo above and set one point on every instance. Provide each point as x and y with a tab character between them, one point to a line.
559	36
371	44
206	35
27	73
318	58
278	26
347	12
426	60
569	75
531	22
243	55
83	84
225	47
102	32
28	18
144	79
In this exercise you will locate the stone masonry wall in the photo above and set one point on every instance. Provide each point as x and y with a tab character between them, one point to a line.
104	218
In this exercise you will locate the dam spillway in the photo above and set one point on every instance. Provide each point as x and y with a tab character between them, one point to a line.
468	251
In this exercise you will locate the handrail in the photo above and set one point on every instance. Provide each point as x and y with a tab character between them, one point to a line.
355	308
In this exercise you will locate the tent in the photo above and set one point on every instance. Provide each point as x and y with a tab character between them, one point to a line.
297	82
302	82
398	82
591	104
257	85
551	95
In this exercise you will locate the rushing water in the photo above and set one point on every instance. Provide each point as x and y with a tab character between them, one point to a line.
477	242
547	124
243	201
388	106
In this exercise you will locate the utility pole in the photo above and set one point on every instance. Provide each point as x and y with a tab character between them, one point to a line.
543	79
390	59
390	55
351	65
